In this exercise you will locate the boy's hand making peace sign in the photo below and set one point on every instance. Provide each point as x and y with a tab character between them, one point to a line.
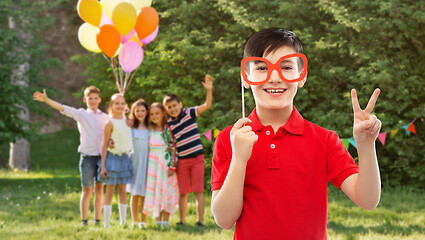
366	125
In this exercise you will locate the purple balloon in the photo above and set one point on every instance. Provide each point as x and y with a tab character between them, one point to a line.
130	56
127	37
149	38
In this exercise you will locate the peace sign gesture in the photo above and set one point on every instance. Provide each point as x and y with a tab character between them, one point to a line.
366	125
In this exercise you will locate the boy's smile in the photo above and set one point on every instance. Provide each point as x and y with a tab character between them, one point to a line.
275	92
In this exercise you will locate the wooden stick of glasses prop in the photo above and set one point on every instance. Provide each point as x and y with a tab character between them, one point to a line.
243	99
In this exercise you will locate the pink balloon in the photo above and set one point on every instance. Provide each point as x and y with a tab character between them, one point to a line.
130	56
149	38
127	37
105	20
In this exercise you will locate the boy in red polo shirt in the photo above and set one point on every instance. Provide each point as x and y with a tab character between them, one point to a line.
270	170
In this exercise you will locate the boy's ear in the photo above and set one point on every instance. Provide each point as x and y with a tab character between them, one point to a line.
245	84
180	104
302	82
84	99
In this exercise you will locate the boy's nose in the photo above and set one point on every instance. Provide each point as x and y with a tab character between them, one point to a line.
274	76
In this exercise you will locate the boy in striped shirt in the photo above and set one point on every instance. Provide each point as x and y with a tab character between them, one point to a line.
190	169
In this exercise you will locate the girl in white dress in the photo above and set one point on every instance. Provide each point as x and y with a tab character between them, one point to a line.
116	168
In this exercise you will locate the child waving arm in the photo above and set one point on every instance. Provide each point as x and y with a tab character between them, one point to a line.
208	85
42	97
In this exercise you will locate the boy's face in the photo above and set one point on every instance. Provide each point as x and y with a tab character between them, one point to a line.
92	100
173	108
276	93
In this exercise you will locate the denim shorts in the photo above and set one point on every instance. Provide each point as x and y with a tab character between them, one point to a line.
88	170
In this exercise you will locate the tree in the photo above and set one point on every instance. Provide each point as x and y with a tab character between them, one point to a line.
22	57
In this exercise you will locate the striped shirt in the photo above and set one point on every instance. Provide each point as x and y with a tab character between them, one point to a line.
186	133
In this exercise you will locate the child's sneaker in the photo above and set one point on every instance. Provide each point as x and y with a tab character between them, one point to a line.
84	223
96	222
142	225
199	224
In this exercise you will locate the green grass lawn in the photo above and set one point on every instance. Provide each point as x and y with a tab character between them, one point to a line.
44	204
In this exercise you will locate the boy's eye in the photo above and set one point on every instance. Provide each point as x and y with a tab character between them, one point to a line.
287	68
261	68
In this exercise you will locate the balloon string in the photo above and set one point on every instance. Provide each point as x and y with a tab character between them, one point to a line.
121	80
131	78
116	66
125	83
111	62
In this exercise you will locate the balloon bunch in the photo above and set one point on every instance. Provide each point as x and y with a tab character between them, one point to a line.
118	27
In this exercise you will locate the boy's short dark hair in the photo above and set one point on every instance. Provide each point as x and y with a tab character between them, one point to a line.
170	97
268	40
91	89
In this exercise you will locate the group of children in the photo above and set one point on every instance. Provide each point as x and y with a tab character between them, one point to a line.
157	159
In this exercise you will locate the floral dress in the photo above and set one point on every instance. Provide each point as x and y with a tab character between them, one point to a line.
161	191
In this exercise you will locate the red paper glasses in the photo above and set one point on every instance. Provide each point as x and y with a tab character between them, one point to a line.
257	70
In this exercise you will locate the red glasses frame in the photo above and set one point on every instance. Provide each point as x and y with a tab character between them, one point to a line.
272	67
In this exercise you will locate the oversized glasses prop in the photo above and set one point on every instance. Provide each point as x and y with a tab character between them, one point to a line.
257	70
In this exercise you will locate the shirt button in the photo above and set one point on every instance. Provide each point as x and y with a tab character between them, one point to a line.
267	132
272	146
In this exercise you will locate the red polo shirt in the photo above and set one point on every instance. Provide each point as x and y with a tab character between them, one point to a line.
285	191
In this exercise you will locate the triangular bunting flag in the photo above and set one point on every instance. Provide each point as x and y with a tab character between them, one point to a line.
351	140
394	132
346	143
405	128
216	131
411	128
382	137
207	134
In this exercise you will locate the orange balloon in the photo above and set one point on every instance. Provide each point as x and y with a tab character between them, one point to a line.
147	21
108	39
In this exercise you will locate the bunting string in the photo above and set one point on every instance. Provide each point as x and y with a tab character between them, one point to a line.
409	128
211	134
